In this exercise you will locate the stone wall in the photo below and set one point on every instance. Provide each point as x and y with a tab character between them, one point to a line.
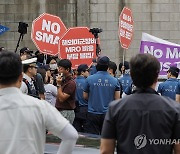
157	17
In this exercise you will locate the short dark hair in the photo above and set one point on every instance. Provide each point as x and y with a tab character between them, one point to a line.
10	67
174	71
144	69
112	65
100	67
65	63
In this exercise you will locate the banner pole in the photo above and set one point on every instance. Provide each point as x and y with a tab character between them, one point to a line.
123	56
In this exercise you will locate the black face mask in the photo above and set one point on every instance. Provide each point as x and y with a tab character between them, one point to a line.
40	58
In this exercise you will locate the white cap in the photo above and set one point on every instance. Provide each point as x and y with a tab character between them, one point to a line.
29	61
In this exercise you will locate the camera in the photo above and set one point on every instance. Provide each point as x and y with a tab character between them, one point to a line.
95	30
22	28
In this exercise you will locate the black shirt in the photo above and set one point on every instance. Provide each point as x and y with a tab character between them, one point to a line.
139	118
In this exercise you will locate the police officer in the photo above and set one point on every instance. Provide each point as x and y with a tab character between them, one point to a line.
178	92
29	85
80	120
99	89
168	88
131	122
125	80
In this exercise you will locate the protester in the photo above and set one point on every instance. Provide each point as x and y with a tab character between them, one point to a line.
50	89
132	122
24	119
99	90
80	121
168	88
25	53
65	102
53	70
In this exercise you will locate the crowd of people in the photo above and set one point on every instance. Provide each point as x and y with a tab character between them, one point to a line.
83	97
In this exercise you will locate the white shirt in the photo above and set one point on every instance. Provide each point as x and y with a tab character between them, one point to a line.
50	93
24	120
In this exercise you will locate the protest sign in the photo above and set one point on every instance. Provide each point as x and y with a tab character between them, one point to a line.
126	27
166	52
46	31
78	45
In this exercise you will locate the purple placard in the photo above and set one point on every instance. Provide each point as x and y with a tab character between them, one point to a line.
168	55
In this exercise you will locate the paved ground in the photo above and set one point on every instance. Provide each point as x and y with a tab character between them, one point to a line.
53	148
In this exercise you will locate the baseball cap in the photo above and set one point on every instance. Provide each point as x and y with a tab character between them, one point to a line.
25	50
82	67
104	60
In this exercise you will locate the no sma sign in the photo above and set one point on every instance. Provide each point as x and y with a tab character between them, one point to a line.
126	27
46	32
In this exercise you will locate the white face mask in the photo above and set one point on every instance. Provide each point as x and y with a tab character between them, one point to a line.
53	66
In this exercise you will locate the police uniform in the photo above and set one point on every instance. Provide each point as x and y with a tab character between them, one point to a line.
178	89
139	117
168	88
80	120
28	86
100	88
125	81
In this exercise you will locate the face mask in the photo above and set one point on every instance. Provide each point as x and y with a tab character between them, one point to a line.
53	66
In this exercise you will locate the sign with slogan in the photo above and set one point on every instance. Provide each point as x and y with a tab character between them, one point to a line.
3	29
126	27
166	52
46	32
78	45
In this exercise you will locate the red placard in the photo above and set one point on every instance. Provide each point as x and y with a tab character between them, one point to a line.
126	27
46	32
78	45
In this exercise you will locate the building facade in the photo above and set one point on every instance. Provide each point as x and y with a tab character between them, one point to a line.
160	18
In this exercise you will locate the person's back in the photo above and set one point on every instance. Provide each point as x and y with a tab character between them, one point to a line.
24	119
143	122
145	115
101	91
50	93
168	88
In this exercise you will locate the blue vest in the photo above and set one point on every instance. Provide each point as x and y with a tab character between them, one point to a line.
100	88
125	81
92	70
80	80
178	88
168	88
